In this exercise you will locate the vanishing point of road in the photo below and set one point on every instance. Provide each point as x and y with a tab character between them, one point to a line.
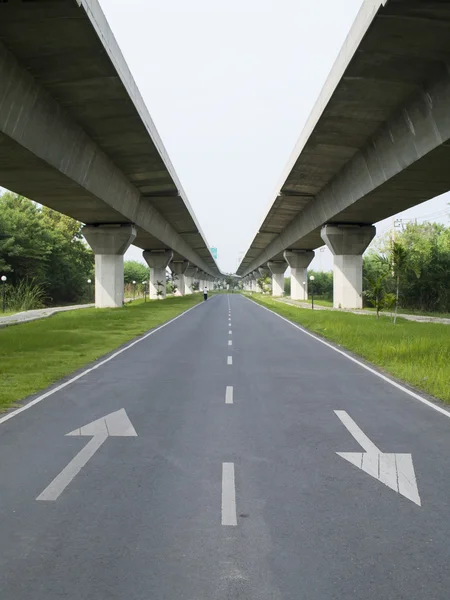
227	455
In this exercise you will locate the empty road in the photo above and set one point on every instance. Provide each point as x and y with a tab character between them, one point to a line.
228	455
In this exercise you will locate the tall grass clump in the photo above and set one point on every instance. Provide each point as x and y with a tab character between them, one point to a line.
26	295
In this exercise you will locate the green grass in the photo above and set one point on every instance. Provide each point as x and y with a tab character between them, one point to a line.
421	313
320	302
417	353
405	311
35	355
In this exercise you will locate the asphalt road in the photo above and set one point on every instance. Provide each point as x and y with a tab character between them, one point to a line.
225	495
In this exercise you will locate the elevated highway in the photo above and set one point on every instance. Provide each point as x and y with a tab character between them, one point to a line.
376	143
76	136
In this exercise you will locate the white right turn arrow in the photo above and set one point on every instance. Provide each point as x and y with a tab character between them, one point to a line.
394	470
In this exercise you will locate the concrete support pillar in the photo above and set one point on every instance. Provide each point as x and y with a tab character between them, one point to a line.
189	277
109	243
278	270
157	261
179	269
299	261
347	243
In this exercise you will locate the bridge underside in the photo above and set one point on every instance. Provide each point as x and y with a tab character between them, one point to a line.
75	134
377	141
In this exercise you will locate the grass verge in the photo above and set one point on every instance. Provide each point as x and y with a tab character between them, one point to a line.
35	355
417	353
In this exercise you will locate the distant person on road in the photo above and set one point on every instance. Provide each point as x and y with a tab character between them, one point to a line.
205	293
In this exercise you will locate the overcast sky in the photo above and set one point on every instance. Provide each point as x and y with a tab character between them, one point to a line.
229	85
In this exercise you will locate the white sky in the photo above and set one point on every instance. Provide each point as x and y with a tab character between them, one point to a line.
229	85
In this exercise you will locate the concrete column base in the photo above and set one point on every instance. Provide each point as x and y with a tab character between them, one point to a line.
109	243
347	281
158	283
189	275
299	261
347	243
179	269
157	261
278	270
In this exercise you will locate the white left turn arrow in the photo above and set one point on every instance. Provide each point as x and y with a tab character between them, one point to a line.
394	470
114	424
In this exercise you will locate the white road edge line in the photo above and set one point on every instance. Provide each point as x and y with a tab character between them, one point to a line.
228	495
229	395
229	360
100	364
356	361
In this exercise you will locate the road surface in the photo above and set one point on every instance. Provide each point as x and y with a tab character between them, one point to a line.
203	465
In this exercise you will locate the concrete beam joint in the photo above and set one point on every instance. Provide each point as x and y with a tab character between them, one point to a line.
298	259
191	271
109	239
347	240
277	268
179	267
157	260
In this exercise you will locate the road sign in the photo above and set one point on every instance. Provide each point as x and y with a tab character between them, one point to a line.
394	470
115	424
214	253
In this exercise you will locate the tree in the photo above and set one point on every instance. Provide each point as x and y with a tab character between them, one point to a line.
323	284
24	253
135	271
70	263
265	284
398	261
44	247
419	274
171	283
377	270
231	282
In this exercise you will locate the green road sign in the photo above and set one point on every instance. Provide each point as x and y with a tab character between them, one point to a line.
214	253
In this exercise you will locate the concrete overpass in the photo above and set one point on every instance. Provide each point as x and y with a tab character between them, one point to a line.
376	143
76	136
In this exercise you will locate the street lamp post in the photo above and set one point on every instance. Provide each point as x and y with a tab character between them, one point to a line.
4	292
134	290
144	283
304	290
89	288
312	291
